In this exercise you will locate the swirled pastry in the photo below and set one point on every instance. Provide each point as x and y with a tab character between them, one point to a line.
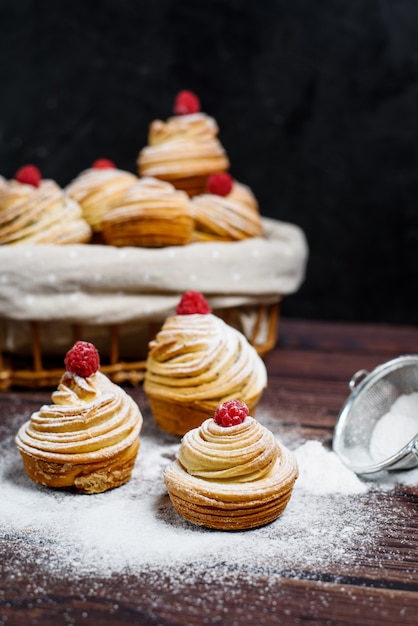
242	194
229	217
98	189
87	438
42	214
231	477
196	362
152	213
183	150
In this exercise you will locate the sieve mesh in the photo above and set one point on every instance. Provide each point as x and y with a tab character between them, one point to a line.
368	403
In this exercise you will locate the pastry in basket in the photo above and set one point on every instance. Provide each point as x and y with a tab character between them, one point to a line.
33	210
88	438
98	189
196	362
3	183
185	149
228	211
242	194
231	473
152	213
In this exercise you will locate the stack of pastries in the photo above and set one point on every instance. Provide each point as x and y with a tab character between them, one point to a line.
33	210
231	473
196	362
88	438
184	194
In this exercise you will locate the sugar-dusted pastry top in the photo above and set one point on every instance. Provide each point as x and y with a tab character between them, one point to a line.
242	194
149	194
97	190
226	218
184	145
243	453
90	419
151	212
201	358
231	473
43	214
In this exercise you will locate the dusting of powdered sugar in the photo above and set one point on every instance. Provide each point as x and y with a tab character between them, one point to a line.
332	516
322	472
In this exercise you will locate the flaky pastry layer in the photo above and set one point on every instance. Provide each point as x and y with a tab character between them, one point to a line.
182	148
88	437
231	478
98	190
195	363
226	218
43	214
152	213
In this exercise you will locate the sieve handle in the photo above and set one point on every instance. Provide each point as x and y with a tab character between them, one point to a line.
357	378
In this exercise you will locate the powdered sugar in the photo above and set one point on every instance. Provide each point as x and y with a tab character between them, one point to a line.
322	472
396	428
329	519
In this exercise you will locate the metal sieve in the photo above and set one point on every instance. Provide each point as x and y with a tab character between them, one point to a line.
372	395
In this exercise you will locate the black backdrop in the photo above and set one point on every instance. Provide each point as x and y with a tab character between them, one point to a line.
317	104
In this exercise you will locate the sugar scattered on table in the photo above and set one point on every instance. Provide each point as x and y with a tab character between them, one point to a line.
322	472
331	519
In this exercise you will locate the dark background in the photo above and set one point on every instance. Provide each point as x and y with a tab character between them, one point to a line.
317	104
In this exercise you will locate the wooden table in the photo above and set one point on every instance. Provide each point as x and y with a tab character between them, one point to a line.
308	375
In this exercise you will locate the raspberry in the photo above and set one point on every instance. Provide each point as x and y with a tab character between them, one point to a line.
83	359
231	413
219	184
193	302
29	175
186	102
103	164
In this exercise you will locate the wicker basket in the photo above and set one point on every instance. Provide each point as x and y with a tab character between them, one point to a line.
118	298
38	370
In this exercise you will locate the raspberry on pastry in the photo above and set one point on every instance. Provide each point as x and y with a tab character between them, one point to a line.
195	363
35	210
183	150
98	189
186	102
29	175
193	302
220	184
233	475
88	437
227	211
103	164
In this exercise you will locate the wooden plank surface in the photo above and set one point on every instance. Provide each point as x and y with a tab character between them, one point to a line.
373	583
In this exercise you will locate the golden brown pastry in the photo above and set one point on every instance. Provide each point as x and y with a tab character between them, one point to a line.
227	212
242	194
39	211
98	189
196	362
152	213
185	149
231	473
88	438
